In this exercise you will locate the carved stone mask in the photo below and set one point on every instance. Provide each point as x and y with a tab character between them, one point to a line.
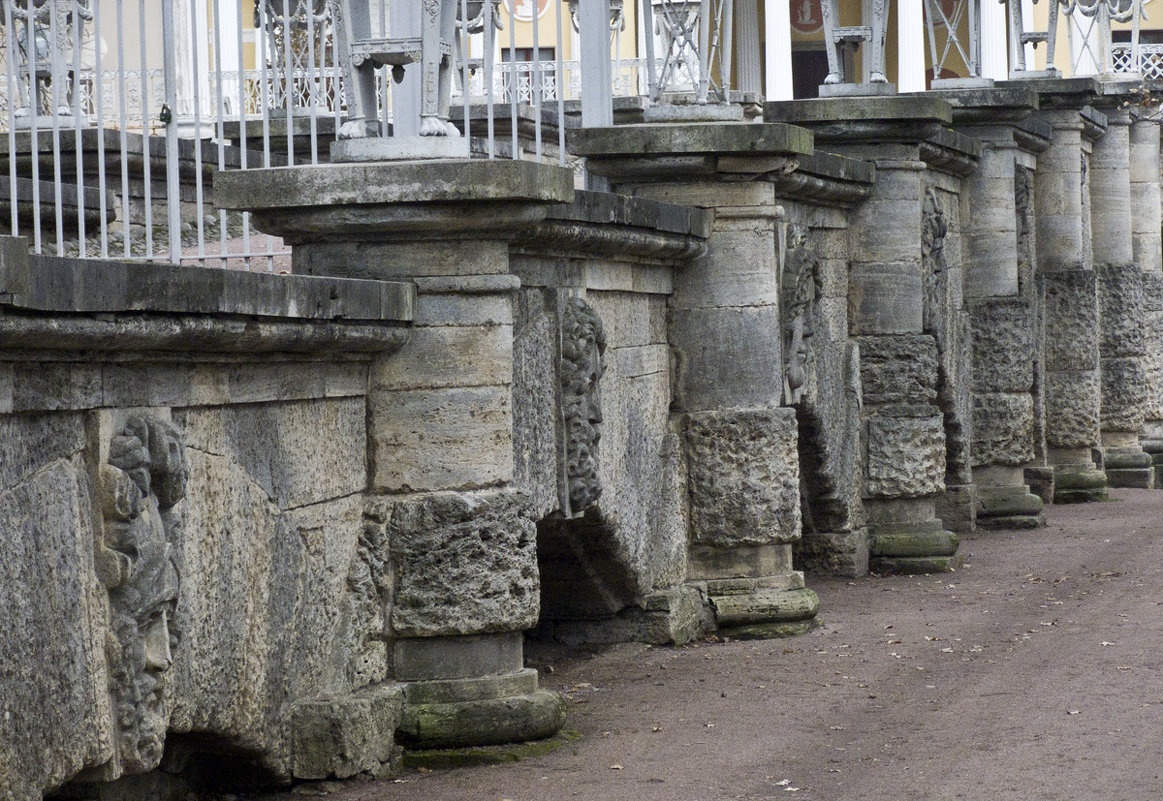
145	476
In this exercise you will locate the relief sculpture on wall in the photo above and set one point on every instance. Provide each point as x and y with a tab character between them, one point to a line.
798	290
934	227
583	346
139	485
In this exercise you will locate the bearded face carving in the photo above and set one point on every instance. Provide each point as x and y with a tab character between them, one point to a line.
583	345
141	481
798	289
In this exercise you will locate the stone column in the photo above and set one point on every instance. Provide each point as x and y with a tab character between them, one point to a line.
1001	312
457	532
1145	223
1120	294
1069	295
893	305
725	336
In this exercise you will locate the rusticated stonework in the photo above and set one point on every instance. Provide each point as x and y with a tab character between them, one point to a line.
583	347
141	482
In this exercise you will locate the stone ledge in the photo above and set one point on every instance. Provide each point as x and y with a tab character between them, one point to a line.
719	139
614	209
875	119
86	286
381	183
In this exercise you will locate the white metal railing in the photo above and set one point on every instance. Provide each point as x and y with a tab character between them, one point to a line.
1150	61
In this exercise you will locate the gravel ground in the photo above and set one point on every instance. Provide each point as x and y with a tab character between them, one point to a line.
1031	673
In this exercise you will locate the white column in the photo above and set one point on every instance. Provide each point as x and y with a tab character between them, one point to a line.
747	45
910	34
994	45
777	48
190	37
226	36
597	80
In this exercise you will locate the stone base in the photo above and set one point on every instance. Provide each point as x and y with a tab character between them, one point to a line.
839	553
1133	477
958	508
1012	522
491	710
927	538
1040	480
771	631
857	89
340	737
766	612
910	566
1079	484
402	148
1011	501
669	617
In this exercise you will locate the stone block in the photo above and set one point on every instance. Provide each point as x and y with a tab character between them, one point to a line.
460	660
51	386
1124	394
735	271
1002	345
342	736
464	563
840	553
726	357
448	356
29	443
1041	482
1072	409
299	453
898	369
1003	429
906	455
1120	295
535	401
432	440
957	508
1070	311
55	703
630	319
743	470
886	298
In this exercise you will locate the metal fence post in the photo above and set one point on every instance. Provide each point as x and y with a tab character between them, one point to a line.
172	188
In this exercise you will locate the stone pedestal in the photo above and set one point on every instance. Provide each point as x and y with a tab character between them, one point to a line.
1120	292
458	535
725	333
901	316
1068	286
1000	301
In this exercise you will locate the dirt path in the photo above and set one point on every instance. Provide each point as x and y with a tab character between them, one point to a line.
1032	673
